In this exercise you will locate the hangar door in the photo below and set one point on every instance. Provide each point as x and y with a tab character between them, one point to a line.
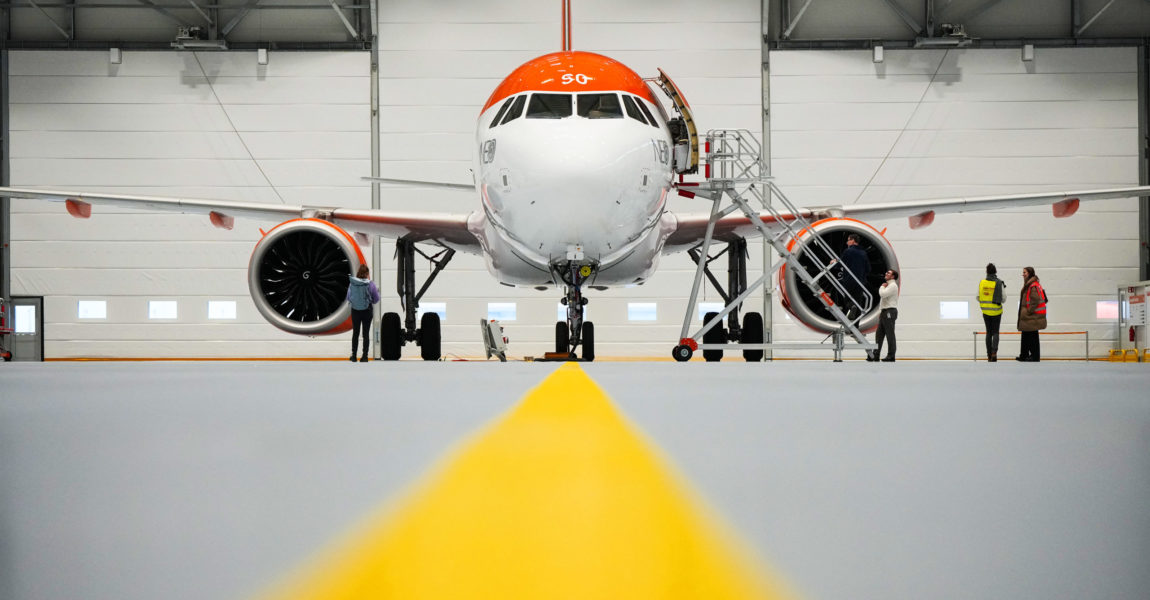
27	339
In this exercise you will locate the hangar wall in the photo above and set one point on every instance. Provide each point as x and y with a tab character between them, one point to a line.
946	123
173	124
922	124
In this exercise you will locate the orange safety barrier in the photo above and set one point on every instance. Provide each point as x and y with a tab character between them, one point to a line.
1086	333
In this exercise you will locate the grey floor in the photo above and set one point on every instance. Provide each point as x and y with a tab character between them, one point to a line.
855	481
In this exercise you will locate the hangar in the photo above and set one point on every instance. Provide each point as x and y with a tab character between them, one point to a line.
190	479
862	103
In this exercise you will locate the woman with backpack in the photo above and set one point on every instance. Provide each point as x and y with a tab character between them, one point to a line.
361	293
1031	315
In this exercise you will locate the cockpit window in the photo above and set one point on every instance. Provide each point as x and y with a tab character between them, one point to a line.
600	106
502	109
646	111
549	106
632	110
515	110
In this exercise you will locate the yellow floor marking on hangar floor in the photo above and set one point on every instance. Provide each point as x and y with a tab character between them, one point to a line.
561	498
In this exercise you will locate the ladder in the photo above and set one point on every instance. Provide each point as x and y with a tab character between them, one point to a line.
734	171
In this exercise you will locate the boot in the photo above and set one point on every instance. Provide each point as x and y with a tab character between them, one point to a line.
993	357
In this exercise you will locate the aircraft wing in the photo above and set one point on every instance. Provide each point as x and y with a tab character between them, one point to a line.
446	229
691	228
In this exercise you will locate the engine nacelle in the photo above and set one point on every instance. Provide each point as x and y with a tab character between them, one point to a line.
298	276
803	304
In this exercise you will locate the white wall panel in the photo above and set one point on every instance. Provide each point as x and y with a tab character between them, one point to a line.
299	117
127	144
155	118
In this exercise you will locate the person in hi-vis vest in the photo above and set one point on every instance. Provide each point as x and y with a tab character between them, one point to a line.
991	294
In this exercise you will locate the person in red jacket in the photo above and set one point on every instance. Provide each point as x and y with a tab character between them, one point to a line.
1031	315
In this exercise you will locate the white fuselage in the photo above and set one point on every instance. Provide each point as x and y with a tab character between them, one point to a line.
550	186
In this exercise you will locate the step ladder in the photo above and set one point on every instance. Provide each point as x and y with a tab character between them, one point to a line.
734	172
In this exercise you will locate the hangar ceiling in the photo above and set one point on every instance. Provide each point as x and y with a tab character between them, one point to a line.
222	24
335	24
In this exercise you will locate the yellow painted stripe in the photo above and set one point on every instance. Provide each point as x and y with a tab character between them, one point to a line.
561	498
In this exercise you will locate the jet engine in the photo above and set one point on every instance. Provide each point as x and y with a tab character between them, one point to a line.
298	276
802	303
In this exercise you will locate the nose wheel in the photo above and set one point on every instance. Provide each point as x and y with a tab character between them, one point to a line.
575	333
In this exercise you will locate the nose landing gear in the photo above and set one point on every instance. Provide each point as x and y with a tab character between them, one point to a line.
575	332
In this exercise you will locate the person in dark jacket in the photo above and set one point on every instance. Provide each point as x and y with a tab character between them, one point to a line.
855	260
1031	315
361	293
991	294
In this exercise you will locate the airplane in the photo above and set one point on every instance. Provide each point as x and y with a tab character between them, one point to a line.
575	158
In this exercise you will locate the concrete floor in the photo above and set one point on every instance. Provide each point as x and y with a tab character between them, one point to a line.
909	480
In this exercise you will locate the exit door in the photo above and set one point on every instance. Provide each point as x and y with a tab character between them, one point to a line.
27	339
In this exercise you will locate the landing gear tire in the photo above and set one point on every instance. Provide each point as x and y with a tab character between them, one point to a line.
429	336
717	335
562	337
588	341
682	353
390	336
752	334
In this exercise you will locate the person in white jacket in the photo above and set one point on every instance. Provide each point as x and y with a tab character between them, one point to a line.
888	314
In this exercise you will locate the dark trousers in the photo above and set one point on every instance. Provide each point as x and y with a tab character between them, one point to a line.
1030	349
360	321
885	331
992	325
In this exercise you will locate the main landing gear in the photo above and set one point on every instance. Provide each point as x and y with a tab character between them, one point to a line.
750	331
575	332
394	334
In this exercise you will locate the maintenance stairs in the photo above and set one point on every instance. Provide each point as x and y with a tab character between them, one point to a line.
734	172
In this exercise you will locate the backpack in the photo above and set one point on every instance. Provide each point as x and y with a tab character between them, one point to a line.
360	296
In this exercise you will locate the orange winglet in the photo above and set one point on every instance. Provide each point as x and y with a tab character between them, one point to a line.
221	220
1065	208
921	219
78	208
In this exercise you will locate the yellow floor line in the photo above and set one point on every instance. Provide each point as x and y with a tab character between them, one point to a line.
561	498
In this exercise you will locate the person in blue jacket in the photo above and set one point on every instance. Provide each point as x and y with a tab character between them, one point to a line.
361	293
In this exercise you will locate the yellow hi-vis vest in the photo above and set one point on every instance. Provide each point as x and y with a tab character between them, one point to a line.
986	298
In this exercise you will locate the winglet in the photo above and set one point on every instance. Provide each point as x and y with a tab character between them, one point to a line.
78	208
1065	208
922	219
221	220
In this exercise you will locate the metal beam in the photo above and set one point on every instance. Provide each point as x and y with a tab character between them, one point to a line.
798	17
201	11
976	11
768	255
929	11
5	203
240	17
1079	31
346	23
66	35
163	11
905	16
1144	157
